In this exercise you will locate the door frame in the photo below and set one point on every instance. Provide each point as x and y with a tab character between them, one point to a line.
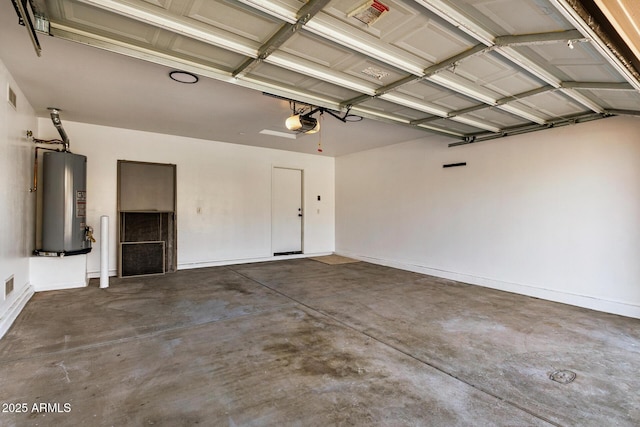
302	204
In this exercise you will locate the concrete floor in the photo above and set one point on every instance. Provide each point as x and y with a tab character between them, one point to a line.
303	343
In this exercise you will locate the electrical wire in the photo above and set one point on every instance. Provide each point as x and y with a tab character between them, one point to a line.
48	141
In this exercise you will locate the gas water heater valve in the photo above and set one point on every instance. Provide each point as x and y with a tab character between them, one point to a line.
88	230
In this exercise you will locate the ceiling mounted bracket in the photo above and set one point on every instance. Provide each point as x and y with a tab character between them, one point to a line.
573	36
24	18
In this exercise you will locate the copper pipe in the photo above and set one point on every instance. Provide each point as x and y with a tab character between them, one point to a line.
35	168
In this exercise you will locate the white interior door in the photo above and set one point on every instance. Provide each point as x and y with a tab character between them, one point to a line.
287	211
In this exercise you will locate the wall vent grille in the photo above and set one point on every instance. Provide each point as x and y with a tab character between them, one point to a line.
8	287
12	98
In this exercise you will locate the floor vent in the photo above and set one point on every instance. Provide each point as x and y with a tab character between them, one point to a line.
563	377
12	98
8	287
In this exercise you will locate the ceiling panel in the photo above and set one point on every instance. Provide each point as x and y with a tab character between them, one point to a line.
496	74
233	18
364	39
103	22
458	82
198	51
430	41
321	51
582	63
283	76
297	81
331	55
161	3
424	90
436	94
328	90
393	108
529	16
614	99
552	104
495	117
455	102
410	28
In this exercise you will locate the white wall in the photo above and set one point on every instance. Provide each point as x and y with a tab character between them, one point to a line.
17	204
228	184
552	214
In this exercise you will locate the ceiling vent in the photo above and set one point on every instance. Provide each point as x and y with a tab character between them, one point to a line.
375	73
369	12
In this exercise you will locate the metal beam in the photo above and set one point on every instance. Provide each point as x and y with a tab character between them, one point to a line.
518	130
521	95
23	15
388	118
479	107
455	60
540	38
434	118
355	101
284	33
623	112
596	85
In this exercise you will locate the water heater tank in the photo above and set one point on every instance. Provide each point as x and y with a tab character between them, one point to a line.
64	204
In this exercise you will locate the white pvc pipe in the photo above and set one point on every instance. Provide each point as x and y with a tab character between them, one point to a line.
104	251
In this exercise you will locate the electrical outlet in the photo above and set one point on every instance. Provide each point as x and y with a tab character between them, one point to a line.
8	286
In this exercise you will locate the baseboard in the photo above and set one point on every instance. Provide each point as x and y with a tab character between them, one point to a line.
218	263
584	301
96	274
203	264
58	286
15	308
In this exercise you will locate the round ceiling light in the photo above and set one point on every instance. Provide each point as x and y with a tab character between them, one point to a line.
183	77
